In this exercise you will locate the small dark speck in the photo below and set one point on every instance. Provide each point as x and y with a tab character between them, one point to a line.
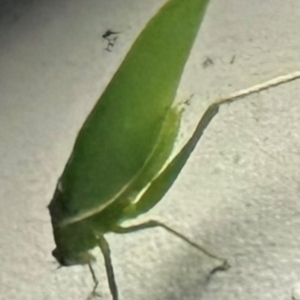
109	33
216	170
237	159
256	119
111	38
188	100
232	60
208	62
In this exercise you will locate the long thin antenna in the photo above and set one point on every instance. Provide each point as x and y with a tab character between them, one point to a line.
260	87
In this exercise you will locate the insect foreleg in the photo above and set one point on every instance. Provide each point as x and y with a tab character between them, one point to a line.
104	246
93	293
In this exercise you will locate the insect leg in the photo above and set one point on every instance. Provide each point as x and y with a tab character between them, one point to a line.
94	293
103	244
154	223
165	178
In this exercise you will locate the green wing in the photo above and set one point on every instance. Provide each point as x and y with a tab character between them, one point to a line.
120	134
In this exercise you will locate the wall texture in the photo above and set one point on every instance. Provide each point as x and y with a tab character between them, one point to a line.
239	195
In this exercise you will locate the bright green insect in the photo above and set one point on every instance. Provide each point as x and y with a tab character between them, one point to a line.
123	146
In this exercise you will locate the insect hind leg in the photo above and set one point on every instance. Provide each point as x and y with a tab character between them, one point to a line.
154	223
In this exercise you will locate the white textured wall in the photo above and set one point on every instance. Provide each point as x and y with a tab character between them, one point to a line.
239	195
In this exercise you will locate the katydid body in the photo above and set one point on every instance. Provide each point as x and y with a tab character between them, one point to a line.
118	169
126	141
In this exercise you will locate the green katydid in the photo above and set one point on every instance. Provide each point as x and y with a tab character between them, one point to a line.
117	169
